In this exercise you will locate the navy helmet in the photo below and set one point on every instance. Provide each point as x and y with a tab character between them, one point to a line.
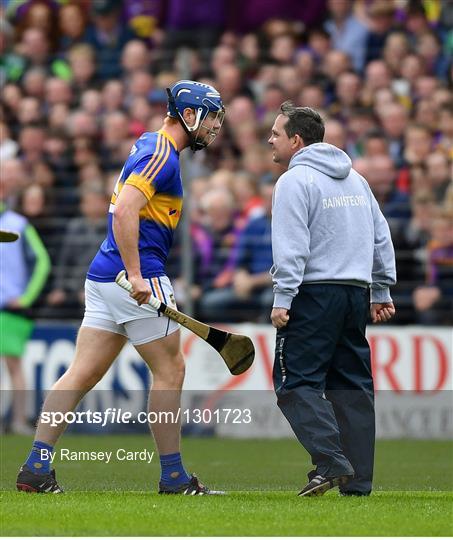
204	100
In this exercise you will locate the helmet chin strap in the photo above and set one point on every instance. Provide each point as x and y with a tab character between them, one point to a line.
194	144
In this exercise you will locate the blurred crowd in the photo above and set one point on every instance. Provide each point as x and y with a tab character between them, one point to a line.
81	80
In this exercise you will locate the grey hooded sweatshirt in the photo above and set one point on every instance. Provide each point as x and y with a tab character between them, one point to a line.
327	227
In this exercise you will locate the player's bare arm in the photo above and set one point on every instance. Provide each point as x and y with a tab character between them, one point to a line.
125	228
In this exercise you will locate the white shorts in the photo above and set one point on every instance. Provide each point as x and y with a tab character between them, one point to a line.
109	307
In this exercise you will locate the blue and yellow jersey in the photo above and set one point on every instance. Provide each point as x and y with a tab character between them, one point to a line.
153	168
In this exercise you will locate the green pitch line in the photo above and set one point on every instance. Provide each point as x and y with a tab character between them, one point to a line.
413	492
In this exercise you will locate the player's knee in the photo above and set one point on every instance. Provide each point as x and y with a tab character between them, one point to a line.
85	379
172	375
175	376
180	371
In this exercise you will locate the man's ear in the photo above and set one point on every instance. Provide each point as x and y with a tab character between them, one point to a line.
297	141
189	116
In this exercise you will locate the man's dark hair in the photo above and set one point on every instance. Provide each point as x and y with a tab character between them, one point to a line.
303	121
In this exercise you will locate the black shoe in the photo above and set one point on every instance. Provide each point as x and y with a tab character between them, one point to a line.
355	493
319	484
193	487
27	480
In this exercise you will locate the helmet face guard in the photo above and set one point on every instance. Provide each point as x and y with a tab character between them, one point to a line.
205	134
205	101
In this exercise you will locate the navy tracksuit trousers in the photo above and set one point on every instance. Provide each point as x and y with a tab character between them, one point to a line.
323	380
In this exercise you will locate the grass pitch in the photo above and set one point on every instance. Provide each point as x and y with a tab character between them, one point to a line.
413	492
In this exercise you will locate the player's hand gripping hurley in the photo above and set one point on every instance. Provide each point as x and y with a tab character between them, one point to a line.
237	351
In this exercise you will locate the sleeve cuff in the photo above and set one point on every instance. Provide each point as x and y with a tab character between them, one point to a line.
282	300
380	296
142	184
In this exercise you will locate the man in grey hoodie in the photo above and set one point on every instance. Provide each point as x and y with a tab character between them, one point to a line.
331	247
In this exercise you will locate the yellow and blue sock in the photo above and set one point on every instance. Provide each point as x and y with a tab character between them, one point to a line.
39	458
172	470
